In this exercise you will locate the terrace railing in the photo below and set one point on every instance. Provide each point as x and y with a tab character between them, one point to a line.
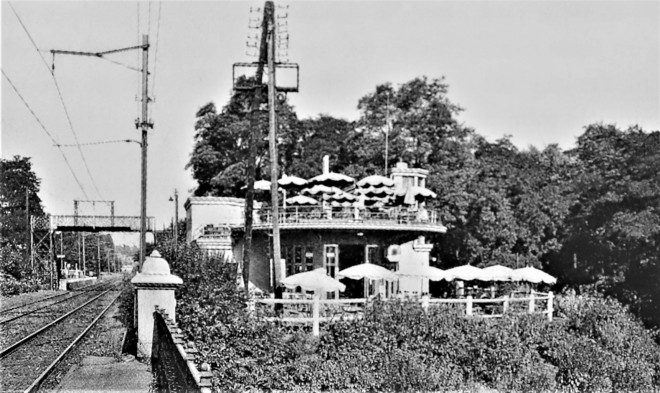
306	214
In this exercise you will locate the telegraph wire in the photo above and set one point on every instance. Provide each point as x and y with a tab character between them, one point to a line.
59	93
66	160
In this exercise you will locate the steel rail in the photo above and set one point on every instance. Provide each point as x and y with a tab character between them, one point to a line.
75	295
6	351
85	290
31	303
37	382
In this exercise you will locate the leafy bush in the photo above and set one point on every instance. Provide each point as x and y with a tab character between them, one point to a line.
9	286
601	328
397	346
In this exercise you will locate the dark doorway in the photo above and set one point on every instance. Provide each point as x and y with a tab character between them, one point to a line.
351	255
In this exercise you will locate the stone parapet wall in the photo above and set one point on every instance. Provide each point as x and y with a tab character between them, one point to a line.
175	362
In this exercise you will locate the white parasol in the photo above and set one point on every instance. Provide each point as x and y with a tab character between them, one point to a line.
497	273
368	271
374	191
288	182
465	273
320	189
315	280
301	200
340	196
430	272
532	275
376	181
260	185
411	194
332	179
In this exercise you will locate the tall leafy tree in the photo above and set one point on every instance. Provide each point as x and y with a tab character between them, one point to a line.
418	118
17	179
19	187
219	157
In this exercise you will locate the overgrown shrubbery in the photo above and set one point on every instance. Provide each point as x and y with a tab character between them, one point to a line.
14	280
596	345
9	286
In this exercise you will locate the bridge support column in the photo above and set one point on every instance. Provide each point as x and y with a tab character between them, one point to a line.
154	286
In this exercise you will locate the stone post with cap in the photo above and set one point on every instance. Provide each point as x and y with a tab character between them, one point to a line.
154	286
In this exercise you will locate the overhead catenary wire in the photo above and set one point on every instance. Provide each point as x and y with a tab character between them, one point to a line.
99	143
59	93
121	64
66	160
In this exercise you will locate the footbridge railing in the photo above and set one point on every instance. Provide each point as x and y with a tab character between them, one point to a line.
109	223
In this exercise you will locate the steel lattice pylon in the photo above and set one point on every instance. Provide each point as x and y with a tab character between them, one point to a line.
41	247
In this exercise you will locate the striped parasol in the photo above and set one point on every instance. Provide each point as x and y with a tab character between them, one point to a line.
331	179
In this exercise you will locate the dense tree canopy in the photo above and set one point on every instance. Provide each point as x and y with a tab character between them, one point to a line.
589	215
612	234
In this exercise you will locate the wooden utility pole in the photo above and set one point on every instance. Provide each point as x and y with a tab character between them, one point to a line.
272	142
253	144
267	49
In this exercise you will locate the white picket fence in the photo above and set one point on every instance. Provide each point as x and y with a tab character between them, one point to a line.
317	310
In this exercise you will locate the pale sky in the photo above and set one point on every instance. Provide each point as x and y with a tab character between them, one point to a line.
537	70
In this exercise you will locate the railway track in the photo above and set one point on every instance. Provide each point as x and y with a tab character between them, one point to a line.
26	363
25	320
25	309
